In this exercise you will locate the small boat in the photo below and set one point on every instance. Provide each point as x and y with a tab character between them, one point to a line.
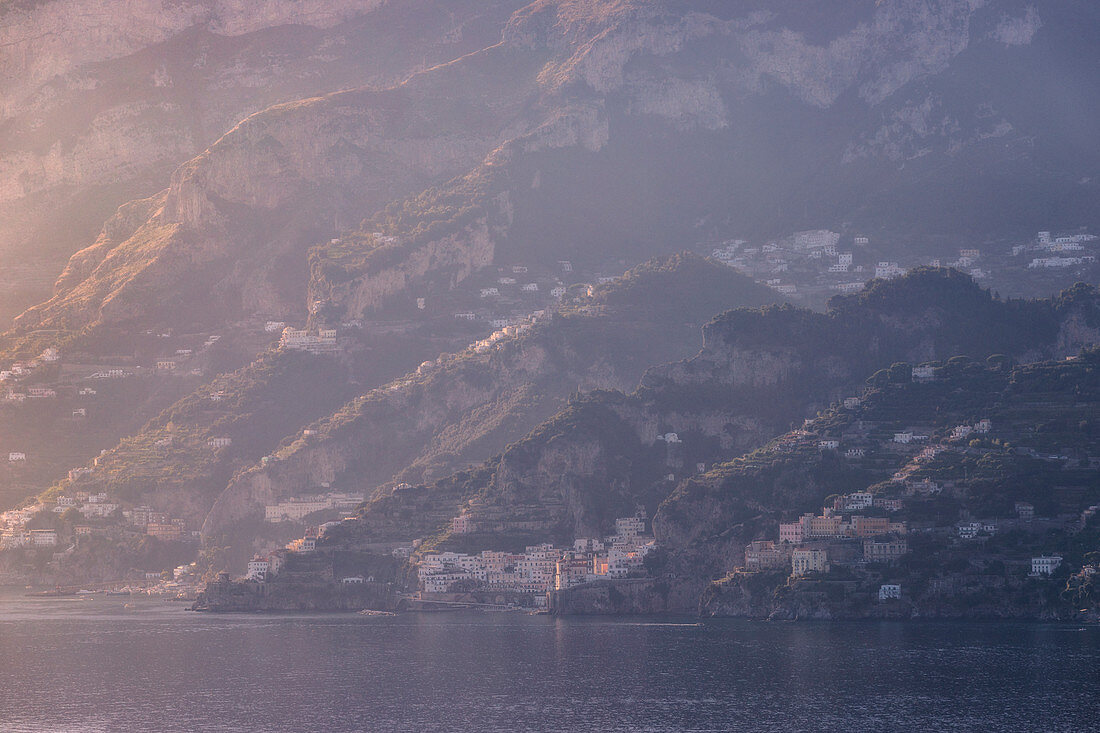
372	612
118	592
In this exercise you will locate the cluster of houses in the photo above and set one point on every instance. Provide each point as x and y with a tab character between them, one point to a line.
20	369
14	530
515	286
99	510
839	533
540	568
298	508
812	542
966	262
812	263
263	567
318	341
803	262
1057	252
486	345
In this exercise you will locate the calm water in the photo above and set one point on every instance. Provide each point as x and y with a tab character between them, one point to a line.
91	665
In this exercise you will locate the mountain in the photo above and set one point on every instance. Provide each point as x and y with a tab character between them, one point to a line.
298	421
98	107
414	176
759	371
682	119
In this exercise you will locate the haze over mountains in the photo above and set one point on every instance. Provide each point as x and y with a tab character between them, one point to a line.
195	171
691	119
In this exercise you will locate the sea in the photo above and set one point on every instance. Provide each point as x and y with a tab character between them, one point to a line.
113	664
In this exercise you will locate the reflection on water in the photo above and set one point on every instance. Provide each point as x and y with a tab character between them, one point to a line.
93	665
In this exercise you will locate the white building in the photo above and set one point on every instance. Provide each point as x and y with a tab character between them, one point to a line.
858	500
100	510
961	431
15	457
1045	565
295	510
889	591
48	538
300	339
888	270
258	568
924	373
816	239
629	526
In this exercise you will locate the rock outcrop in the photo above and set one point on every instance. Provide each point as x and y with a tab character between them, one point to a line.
99	106
573	82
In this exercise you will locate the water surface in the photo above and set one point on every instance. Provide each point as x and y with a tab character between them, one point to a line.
93	665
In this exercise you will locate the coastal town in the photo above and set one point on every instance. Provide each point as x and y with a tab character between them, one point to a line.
511	579
854	531
539	568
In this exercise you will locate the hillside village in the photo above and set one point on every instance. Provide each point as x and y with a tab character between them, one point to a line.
925	535
811	266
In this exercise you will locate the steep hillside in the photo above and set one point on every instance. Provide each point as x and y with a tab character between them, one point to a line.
461	408
878	117
1039	451
283	426
758	372
98	107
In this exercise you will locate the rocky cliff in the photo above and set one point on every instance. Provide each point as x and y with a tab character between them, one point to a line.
576	95
99	106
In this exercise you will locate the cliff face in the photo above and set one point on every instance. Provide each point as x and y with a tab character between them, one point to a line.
458	255
571	78
99	106
240	237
